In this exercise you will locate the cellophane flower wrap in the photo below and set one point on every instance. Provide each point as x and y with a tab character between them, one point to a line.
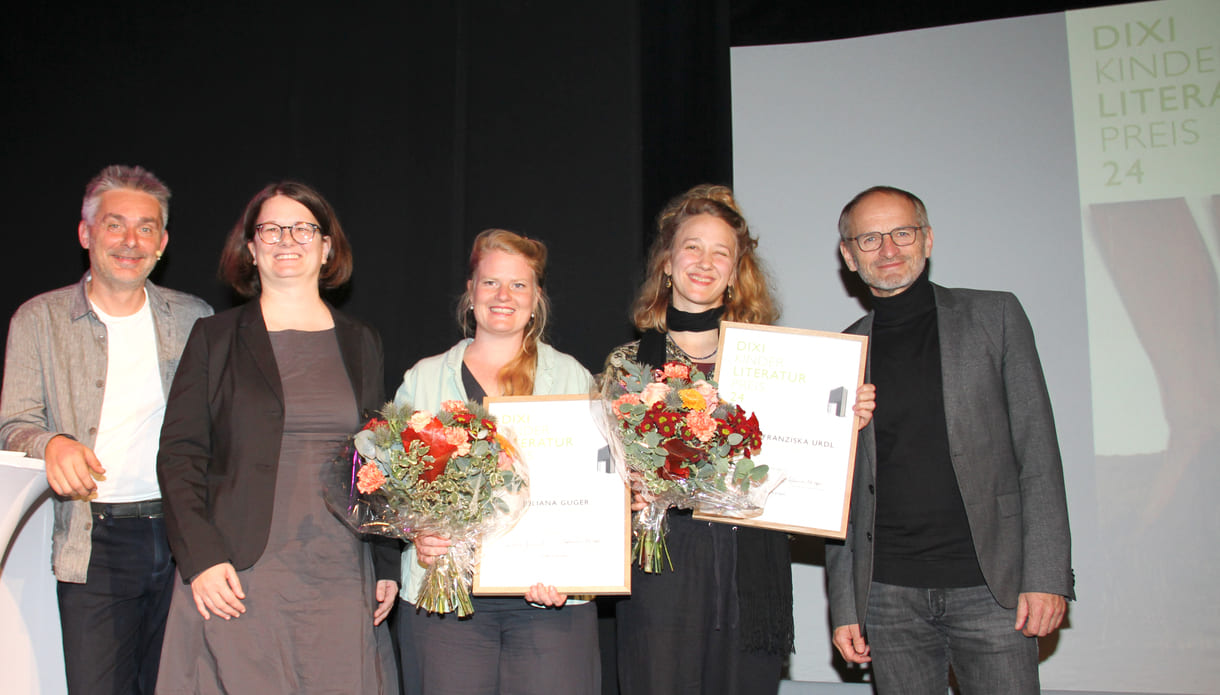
682	446
451	474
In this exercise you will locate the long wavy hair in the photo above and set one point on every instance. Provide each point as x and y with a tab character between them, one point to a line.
751	299
517	377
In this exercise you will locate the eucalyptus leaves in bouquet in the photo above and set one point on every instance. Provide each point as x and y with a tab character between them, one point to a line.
686	446
448	474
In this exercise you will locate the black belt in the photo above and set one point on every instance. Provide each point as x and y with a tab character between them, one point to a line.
147	509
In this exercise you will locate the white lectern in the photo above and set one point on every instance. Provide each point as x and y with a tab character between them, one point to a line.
31	650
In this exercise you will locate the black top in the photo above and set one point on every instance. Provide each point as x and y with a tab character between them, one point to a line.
922	534
474	390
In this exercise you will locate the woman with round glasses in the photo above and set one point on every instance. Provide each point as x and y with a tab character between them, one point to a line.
278	595
544	643
721	620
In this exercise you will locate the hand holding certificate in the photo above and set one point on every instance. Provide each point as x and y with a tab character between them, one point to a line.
802	385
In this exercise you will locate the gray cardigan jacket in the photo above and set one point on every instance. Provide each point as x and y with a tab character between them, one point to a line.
54	380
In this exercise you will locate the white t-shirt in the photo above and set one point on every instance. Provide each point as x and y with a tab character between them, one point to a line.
133	407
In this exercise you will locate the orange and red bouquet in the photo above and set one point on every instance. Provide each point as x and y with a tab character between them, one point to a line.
683	446
450	473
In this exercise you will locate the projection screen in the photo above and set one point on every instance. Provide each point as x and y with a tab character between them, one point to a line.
1073	160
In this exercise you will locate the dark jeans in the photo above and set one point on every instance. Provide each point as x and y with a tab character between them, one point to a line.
915	635
113	624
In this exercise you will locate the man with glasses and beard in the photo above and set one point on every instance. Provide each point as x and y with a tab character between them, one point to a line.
958	552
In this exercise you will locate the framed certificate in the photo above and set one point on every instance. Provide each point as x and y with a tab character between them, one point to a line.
576	532
802	385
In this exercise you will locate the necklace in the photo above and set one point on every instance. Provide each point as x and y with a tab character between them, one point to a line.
691	357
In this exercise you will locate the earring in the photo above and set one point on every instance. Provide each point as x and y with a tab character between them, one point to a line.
471	307
728	293
158	255
668	282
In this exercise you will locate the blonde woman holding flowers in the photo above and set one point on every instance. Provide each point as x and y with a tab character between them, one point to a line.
279	596
721	620
546	642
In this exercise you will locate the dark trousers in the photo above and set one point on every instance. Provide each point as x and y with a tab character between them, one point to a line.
114	622
507	647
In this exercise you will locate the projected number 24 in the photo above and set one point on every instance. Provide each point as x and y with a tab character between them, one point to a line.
1117	177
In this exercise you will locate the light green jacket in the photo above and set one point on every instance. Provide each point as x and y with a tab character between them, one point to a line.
439	378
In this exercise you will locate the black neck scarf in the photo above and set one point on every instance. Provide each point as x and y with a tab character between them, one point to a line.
703	321
652	343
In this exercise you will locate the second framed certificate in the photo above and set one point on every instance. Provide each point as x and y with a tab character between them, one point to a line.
802	385
576	532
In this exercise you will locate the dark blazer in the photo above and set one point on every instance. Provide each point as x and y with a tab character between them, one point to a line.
1004	452
220	441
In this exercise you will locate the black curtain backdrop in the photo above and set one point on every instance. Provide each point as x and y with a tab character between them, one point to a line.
422	122
765	22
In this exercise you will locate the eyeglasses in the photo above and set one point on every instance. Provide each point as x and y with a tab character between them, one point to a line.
272	233
901	236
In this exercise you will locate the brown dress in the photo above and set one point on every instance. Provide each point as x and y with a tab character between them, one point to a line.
308	626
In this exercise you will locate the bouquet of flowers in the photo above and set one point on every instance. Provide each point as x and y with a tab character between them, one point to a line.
685	448
413	472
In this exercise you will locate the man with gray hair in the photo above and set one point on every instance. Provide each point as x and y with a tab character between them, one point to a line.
86	373
957	551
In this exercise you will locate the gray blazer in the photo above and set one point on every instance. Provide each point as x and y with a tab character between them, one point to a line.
1004	450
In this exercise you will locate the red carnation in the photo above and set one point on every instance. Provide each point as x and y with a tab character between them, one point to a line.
374	424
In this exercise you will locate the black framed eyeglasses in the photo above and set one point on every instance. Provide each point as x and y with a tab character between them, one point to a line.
901	236
272	233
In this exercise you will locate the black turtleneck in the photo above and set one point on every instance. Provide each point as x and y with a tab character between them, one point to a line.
922	536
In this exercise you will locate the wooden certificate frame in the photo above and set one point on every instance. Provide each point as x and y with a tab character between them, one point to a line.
802	384
576	532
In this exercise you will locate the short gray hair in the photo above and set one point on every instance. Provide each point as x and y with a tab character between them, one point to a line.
119	176
921	212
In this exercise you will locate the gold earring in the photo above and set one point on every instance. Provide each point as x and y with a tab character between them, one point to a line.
728	293
668	283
